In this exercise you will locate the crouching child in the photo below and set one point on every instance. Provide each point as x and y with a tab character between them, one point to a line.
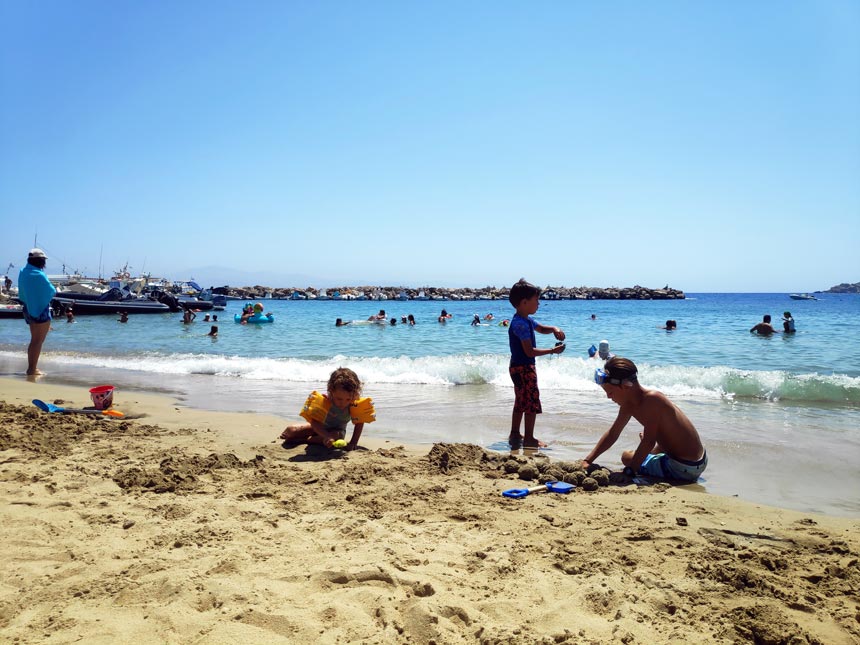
328	414
669	446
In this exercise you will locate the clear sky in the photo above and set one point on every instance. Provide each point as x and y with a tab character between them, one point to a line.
713	146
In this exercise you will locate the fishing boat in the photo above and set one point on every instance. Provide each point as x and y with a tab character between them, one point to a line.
801	296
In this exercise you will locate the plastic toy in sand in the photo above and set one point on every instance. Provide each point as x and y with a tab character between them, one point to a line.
550	487
50	407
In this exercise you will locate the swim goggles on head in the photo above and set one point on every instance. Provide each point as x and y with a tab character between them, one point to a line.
601	377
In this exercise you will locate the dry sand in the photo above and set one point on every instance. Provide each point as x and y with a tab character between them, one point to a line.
181	526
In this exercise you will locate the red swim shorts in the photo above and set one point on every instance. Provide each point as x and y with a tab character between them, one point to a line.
526	390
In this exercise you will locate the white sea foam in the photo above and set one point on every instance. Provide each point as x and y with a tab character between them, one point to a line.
560	373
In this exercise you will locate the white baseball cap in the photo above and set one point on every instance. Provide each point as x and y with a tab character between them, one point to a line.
36	253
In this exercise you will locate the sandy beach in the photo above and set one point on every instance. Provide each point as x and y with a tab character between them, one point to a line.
174	525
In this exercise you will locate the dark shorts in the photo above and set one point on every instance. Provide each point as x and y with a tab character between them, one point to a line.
44	317
527	395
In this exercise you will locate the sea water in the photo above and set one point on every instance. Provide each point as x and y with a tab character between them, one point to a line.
780	416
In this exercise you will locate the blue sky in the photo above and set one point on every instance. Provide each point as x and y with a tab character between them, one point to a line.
713	146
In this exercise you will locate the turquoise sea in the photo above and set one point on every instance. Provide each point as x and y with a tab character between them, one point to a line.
780	416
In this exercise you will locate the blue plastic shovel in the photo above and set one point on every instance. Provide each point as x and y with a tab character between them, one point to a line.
551	487
50	407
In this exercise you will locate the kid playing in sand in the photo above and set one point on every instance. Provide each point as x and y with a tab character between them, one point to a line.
669	448
521	337
328	414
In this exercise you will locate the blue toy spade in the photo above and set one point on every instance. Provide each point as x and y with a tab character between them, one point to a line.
551	487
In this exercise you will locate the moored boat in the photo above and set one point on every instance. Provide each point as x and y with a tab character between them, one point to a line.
196	304
116	301
11	311
133	306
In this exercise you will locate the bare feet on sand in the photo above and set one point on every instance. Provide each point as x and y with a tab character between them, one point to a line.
516	442
533	443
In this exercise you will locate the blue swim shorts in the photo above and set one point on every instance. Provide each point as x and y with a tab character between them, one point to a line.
45	316
667	467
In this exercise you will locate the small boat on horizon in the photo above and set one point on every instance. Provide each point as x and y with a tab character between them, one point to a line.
801	296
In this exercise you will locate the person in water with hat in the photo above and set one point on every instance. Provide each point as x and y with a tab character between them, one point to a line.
35	292
669	447
602	351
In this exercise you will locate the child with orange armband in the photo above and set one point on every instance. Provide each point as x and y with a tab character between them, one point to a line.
328	414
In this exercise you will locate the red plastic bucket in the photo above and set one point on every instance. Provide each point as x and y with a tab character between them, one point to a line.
102	396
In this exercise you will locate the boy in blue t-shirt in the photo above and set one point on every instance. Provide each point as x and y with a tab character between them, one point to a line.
521	336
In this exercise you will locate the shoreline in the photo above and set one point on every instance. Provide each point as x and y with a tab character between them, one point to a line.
248	541
745	463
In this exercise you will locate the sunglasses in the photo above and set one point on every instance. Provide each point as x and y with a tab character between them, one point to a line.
601	378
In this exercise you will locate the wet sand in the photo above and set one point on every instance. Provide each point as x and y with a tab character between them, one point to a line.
754	454
175	525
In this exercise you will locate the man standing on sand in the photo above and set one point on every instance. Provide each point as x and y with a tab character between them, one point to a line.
35	292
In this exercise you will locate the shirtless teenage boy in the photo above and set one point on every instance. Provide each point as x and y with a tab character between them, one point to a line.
669	446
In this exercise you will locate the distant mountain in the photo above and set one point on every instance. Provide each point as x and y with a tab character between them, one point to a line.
845	288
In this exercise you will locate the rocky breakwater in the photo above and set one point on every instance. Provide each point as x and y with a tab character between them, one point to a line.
622	293
465	293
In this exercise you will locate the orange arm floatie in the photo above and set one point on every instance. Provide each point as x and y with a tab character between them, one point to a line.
362	411
316	408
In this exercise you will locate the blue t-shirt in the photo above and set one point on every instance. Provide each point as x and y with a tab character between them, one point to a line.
519	330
